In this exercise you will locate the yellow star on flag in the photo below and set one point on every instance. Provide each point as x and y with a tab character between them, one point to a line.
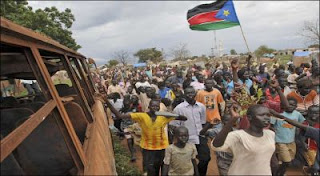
226	12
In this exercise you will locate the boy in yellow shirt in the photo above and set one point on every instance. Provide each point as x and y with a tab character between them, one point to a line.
154	140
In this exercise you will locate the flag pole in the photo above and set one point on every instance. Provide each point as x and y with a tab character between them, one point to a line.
245	40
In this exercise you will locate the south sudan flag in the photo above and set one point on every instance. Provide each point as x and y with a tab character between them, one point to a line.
218	15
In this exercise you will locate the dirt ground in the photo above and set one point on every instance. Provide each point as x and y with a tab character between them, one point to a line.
212	168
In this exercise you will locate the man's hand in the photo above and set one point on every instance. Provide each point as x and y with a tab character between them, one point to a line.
274	84
233	110
181	117
234	64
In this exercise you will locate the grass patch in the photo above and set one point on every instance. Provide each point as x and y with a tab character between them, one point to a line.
122	158
284	59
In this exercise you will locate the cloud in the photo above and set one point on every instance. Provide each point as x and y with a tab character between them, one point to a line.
103	27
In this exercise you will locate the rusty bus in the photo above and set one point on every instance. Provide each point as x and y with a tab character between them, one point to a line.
61	130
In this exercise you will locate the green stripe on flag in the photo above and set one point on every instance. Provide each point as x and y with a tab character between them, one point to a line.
213	26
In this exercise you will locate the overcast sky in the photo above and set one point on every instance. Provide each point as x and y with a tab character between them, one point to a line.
104	27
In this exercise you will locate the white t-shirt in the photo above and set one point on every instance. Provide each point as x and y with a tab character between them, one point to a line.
144	84
197	85
251	155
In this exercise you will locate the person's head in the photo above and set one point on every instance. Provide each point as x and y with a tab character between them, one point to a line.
304	86
226	118
279	73
157	96
150	93
208	83
258	116
154	105
227	76
166	101
200	78
114	82
115	96
208	66
292	104
181	134
283	81
189	75
142	78
243	74
127	101
135	99
179	94
190	94
218	77
175	87
154	81
130	89
282	67
167	83
298	70
179	73
291	68
313	114
161	85
261	69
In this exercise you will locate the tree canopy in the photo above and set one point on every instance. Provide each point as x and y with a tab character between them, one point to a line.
49	21
263	49
149	54
180	52
310	31
233	52
113	63
122	56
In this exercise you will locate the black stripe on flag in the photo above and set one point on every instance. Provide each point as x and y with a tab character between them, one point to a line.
206	8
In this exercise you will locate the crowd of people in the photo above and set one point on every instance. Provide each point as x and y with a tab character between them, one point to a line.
247	114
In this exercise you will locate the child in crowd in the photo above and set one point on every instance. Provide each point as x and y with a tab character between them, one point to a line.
310	154
285	135
309	132
127	108
117	102
224	159
180	157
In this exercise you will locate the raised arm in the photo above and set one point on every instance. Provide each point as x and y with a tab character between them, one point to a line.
221	137
292	122
115	112
234	66
249	61
283	99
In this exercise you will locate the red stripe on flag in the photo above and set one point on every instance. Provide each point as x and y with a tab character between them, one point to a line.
204	18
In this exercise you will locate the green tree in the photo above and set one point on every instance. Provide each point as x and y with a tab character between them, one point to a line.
263	49
49	21
113	62
149	54
233	52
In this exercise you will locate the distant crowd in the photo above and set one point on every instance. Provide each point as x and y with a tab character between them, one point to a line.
258	120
